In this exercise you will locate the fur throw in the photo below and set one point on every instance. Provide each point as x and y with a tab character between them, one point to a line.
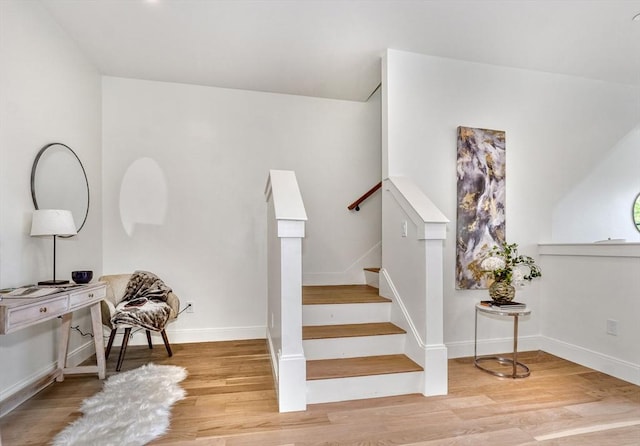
144	303
132	409
146	285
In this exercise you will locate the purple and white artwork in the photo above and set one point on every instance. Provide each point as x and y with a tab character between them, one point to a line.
481	202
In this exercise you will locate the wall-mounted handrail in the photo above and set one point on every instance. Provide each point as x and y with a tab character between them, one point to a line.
356	204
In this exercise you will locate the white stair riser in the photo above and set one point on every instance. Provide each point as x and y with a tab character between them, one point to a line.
372	279
356	388
346	313
354	347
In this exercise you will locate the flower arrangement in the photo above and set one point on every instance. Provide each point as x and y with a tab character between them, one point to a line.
506	265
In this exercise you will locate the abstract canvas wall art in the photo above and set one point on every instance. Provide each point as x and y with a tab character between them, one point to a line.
481	201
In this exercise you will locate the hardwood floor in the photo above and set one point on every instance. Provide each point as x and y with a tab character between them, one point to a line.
231	401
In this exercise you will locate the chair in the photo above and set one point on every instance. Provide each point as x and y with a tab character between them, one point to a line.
116	287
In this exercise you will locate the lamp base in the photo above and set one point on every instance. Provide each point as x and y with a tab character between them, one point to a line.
53	282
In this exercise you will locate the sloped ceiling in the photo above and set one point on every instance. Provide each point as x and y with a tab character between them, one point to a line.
332	49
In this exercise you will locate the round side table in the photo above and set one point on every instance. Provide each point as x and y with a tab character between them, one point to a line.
519	370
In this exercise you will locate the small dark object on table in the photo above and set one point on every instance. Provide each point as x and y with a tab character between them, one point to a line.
82	276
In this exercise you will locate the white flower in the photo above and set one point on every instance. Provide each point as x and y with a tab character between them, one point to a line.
517	276
492	264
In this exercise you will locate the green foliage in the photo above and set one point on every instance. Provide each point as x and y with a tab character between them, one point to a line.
512	261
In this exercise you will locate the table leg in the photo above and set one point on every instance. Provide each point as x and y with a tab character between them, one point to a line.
503	360
515	345
98	340
475	338
63	345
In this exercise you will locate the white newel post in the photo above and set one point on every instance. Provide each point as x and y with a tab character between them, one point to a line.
286	224
416	285
435	352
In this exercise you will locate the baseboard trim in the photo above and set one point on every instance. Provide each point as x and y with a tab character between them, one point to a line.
185	336
274	358
618	368
191	335
23	394
464	349
18	393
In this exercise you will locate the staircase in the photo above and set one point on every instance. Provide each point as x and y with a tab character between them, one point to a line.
353	351
350	349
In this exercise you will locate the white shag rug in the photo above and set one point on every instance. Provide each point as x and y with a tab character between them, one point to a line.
132	409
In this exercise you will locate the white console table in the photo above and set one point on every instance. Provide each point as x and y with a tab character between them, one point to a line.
17	313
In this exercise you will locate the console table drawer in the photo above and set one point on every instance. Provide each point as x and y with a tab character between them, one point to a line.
27	315
81	299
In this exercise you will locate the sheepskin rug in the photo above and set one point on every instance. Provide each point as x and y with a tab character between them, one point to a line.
132	409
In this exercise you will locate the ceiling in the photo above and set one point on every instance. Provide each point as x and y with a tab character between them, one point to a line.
332	48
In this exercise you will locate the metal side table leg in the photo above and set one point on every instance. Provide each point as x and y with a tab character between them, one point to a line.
505	361
515	345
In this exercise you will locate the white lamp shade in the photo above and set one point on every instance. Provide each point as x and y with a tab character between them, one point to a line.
52	222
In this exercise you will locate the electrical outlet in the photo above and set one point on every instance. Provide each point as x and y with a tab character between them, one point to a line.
404	228
190	308
612	327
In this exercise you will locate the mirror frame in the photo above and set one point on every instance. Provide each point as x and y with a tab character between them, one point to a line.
636	202
34	167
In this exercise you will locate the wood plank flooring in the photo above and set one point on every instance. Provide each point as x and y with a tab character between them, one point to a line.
231	402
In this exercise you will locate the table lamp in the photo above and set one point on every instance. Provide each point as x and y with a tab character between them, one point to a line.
55	222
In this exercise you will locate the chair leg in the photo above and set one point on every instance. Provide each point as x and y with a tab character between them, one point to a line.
112	336
149	339
123	349
166	342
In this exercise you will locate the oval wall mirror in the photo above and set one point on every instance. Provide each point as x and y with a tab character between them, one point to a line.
635	212
59	181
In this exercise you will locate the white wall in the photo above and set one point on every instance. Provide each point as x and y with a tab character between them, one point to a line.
212	149
557	129
592	284
48	93
600	206
339	243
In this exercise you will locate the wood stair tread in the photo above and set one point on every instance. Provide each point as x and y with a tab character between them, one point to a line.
340	294
362	366
373	270
350	330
